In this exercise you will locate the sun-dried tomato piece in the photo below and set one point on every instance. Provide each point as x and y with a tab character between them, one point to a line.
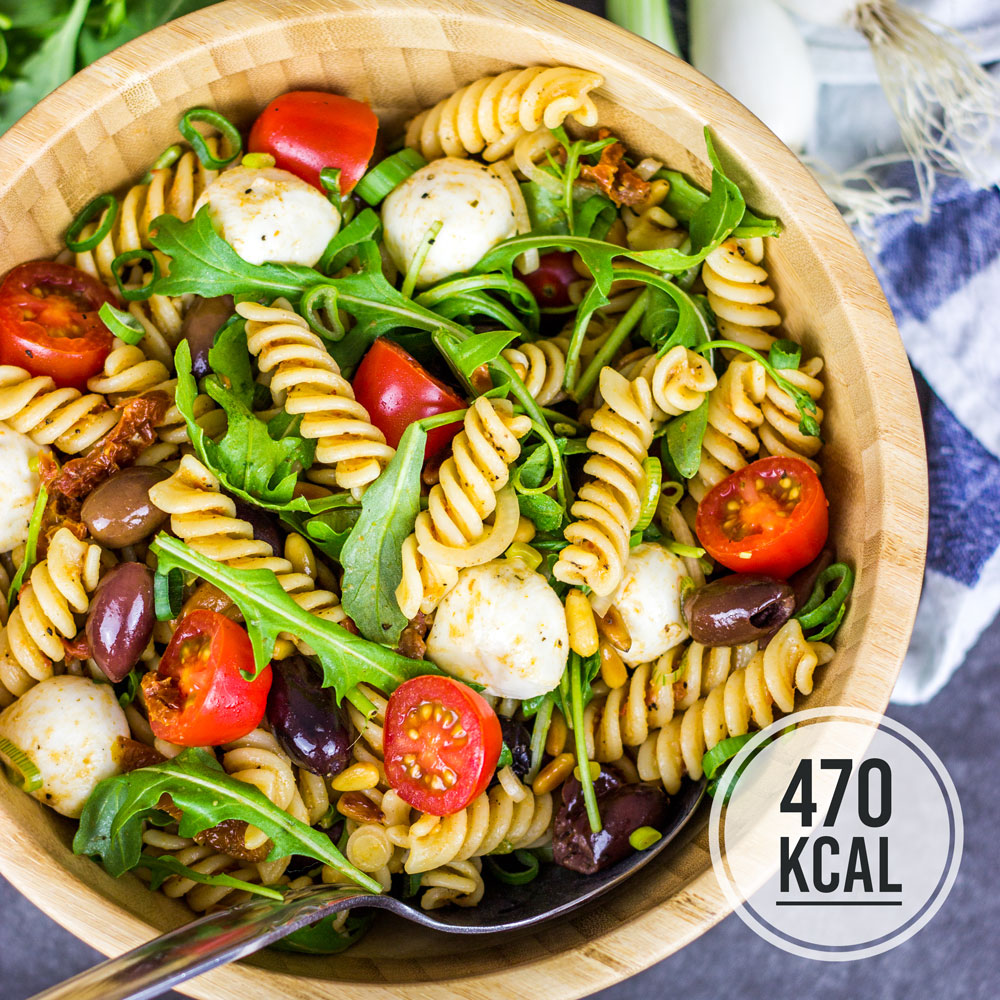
614	177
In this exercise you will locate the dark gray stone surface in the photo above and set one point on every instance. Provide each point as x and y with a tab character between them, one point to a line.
956	957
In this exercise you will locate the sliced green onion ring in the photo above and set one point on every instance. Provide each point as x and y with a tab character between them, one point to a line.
106	203
31	777
413	271
168	594
143	291
257	161
388	175
319	302
166	159
819	611
686	551
785	354
651	495
643	837
522	877
723	752
209	117
122	324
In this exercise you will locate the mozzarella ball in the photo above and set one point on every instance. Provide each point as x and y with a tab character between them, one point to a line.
67	725
18	486
501	626
649	600
467	198
270	215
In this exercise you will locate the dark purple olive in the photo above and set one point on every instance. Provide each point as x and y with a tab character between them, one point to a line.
518	739
623	808
119	512
305	718
201	323
302	864
265	528
120	620
737	609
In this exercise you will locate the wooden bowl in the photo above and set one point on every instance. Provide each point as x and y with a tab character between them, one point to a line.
108	123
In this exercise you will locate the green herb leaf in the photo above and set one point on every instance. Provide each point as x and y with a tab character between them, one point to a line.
685	198
201	261
112	820
545	512
506	758
366	226
685	434
372	555
784	354
347	660
256	461
162	867
581	672
322	938
466	354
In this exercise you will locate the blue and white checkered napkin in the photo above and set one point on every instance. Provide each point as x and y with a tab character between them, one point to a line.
942	281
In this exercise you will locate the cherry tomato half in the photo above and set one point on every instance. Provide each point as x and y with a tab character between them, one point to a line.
49	323
442	742
550	281
197	697
769	517
396	389
307	130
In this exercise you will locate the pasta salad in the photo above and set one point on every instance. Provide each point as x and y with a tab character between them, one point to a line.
412	511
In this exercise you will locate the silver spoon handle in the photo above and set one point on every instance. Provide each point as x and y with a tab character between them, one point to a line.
156	966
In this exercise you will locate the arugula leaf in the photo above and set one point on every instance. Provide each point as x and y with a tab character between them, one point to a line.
593	214
329	529
506	757
204	263
372	554
161	868
685	198
466	354
41	57
581	673
472	287
111	824
684	436
343	247
347	660
249	461
322	938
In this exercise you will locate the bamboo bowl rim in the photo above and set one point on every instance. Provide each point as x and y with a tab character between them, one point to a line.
605	948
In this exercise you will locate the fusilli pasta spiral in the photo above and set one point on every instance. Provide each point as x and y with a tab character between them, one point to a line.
173	190
738	292
472	485
57	589
747	695
206	519
679	379
66	418
779	433
541	366
607	507
494	822
488	116
307	381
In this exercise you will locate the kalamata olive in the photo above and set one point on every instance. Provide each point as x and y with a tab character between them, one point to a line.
306	720
119	512
120	620
623	808
265	529
518	739
737	609
201	323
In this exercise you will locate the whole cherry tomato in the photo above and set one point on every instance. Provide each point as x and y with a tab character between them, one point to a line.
396	390
550	281
442	743
769	517
49	323
307	130
198	695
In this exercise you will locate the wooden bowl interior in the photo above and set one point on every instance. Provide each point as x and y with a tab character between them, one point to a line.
104	128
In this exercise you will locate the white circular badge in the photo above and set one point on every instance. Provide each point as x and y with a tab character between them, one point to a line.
842	834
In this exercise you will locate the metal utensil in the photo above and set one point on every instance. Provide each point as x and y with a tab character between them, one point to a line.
231	934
